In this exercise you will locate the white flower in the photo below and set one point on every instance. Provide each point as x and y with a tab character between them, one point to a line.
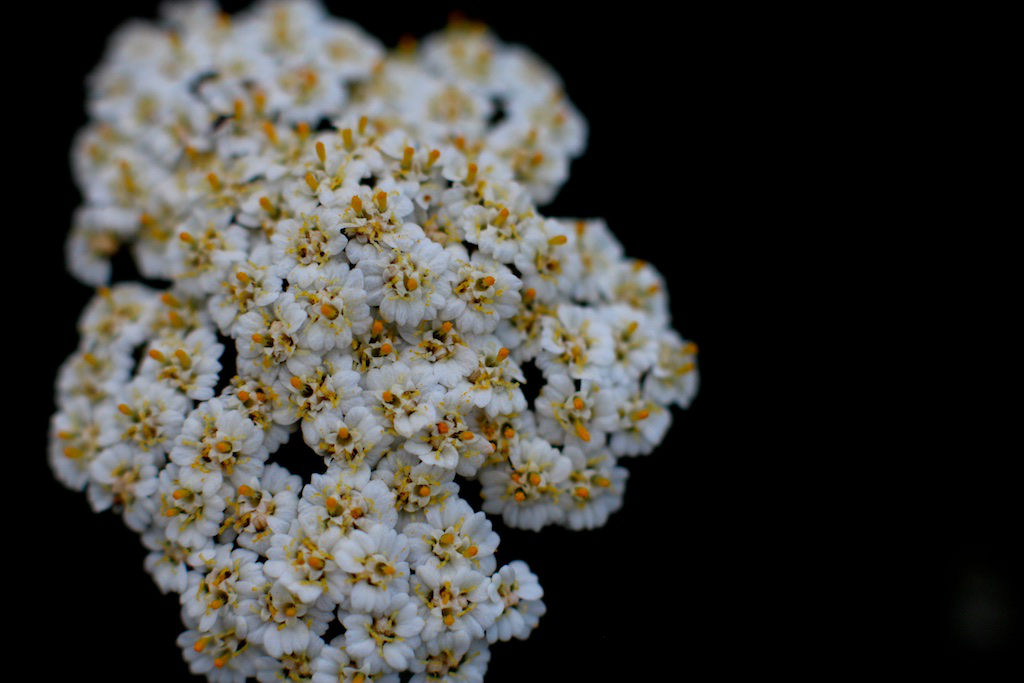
385	639
375	563
214	592
124	478
260	509
406	396
577	342
410	282
674	377
307	566
450	660
520	596
593	490
301	247
455	600
345	499
525	489
356	442
189	364
74	442
452	533
192	518
576	415
146	413
333	665
216	445
223	657
283	623
335	307
486	292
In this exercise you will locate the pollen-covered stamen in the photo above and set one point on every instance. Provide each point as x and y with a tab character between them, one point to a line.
346	138
270	132
381	200
329	311
312	182
411	284
183	358
321	152
471	172
407	158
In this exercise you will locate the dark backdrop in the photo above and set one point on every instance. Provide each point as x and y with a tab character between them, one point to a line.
730	553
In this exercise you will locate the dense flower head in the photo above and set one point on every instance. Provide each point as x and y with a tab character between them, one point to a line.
356	232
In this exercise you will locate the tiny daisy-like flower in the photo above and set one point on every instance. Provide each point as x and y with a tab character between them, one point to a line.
215	445
213	593
283	623
576	415
376	566
524	490
306	565
387	638
451	661
455	600
409	282
346	499
593	490
257	511
223	657
355	442
146	413
124	478
486	292
333	665
674	377
452	533
520	595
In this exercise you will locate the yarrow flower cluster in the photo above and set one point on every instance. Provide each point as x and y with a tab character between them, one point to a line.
359	230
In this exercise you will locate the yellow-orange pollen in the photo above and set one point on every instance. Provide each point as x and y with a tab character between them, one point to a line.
411	284
577	403
387	396
466	436
321	153
329	311
407	158
224	446
357	204
296	383
534	478
381	200
442	427
424	491
446	539
312	182
156	355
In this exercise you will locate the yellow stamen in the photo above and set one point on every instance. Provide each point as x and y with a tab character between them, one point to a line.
358	678
603	482
343	433
582	492
73	453
357	204
64	434
179	494
378	326
381	200
224	446
641	415
582	432
509	432
446	327
690	348
519	496
388	569
580	228
125	409
321	153
467	436
385	349
214	181
312	182
489	281
239	108
449	620
171	512
442	427
534	478
387	396
434	155
257	337
529	294
216	604
471	174
577	403
296	383
446	539
362	124
243	396
220	662
503	353
242	277
266	205
315	562
329	311
502	216
302	129
685	368
90	359
183	358
244	490
291	611
407	158
346	137
471	551
156	355
175	319
557	240
168	300
270	131
411	284
200	645
185	237
424	491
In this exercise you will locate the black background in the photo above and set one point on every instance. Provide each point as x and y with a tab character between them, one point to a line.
758	537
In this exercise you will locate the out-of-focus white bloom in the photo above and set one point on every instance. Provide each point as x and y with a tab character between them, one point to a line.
352	250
